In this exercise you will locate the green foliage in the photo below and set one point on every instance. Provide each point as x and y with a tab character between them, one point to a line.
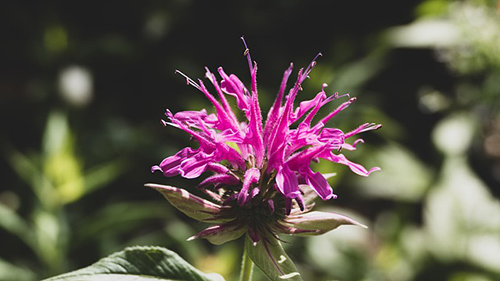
9	271
57	178
71	173
140	263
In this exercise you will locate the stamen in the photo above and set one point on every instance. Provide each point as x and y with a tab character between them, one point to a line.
358	141
247	54
189	81
336	96
308	70
333	113
317	56
363	128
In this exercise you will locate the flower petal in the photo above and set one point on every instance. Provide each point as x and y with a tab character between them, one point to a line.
274	112
233	86
307	105
170	166
251	176
336	111
287	182
255	136
318	182
333	136
193	167
219	179
195	118
355	167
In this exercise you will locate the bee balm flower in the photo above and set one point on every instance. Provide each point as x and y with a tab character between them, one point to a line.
261	182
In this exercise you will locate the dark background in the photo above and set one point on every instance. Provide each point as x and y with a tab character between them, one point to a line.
129	51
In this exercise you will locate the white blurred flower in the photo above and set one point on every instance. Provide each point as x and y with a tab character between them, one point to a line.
75	85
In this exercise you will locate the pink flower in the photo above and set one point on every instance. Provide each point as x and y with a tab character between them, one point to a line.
261	180
245	151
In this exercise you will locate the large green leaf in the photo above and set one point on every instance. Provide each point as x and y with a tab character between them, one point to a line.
269	256
139	264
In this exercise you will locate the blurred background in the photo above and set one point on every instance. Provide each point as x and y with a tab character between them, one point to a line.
83	85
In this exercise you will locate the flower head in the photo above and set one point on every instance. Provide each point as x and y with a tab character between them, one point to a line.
261	181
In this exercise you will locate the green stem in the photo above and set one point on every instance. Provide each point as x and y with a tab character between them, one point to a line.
246	267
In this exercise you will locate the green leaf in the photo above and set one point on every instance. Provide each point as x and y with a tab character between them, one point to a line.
191	205
269	256
9	271
139	264
13	223
61	165
29	171
100	176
